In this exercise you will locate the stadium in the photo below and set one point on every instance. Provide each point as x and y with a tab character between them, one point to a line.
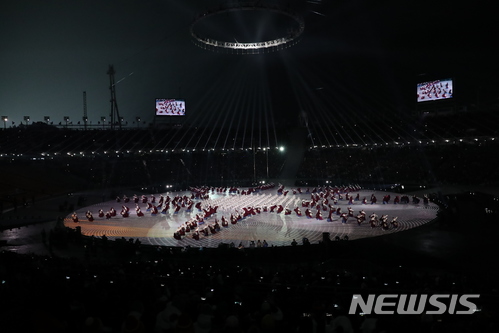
291	168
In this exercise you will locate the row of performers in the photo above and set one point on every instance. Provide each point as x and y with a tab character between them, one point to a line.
204	190
325	199
161	200
125	211
316	198
326	189
195	223
374	221
194	227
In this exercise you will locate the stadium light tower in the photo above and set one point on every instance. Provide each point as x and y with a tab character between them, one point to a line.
26	119
85	117
114	114
5	119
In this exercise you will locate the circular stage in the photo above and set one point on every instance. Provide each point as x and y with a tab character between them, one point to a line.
277	229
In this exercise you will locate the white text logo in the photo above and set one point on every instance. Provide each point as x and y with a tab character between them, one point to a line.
414	304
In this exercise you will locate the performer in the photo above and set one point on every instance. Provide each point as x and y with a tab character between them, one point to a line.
386	199
74	216
195	235
344	218
89	216
373	220
297	211
318	215
101	213
394	222
246	212
330	215
350	211
124	212
138	211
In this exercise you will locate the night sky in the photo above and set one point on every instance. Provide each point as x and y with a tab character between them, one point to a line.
354	56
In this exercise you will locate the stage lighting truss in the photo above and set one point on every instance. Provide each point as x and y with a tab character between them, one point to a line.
249	48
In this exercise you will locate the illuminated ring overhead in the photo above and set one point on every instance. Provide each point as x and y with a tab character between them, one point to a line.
248	48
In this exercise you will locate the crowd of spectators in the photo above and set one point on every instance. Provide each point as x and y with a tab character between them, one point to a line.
451	164
287	289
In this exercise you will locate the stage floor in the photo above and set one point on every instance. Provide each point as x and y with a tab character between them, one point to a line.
276	229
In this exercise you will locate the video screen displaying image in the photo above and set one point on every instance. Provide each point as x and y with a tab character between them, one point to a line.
170	107
434	90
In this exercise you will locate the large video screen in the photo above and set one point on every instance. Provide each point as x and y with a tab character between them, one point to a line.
435	90
170	107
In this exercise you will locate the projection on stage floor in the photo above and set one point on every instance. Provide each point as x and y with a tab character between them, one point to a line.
170	107
435	90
